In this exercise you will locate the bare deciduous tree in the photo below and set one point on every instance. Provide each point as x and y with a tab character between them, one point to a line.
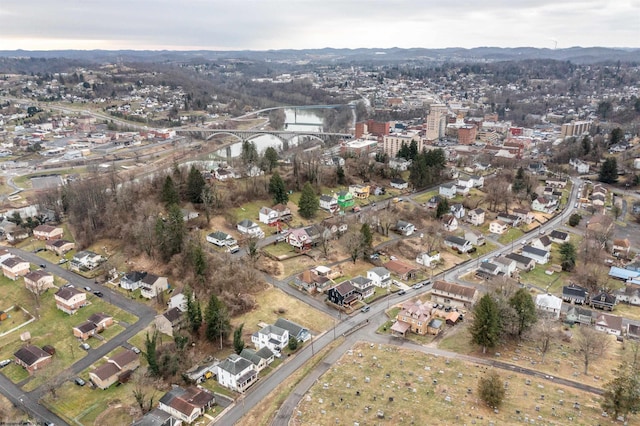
542	335
591	344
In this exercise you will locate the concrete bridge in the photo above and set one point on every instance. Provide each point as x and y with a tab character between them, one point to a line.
245	135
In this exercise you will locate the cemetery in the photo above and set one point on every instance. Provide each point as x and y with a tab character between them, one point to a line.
382	384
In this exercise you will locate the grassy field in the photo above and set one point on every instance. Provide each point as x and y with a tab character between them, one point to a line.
377	384
423	198
562	359
269	304
510	235
53	327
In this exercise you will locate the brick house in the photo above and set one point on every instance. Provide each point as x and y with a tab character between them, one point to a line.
32	358
14	267
116	368
93	325
69	299
47	232
186	404
38	281
413	317
59	246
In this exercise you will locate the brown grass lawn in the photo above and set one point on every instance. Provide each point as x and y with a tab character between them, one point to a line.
9	414
562	360
432	390
269	302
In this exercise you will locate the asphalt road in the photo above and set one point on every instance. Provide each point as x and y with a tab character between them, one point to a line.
264	388
29	401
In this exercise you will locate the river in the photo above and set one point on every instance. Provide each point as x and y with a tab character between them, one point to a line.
300	120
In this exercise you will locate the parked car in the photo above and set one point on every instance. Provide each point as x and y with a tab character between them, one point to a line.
402	292
87	288
85	346
98	293
62	261
4	363
79	381
42	265
417	286
135	350
365	308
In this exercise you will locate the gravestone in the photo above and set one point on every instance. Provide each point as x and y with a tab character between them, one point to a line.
367	379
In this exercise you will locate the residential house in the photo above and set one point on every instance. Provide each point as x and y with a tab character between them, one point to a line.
343	294
310	281
462	190
449	222
457	210
575	294
610	324
509	219
186	404
474	237
169	321
461	245
132	280
221	239
488	269
498	227
458	296
400	164
18	234
434	327
542	243
401	270
433	202
399	183
413	317
85	261
381	277
360	191
364	286
621	247
476	217
272	337
577	315
447	190
177	300
405	228
579	166
544	205
38	281
598	200
337	226
96	323
523	263
345	200
525	215
250	228
540	256
559	237
507	266
268	215
629	294
237	373
152	284
556	182
426	259
32	358
604	301
301	333
47	232
59	247
260	359
224	174
70	299
156	417
477	181
549	304
284	213
328	203
118	368
465	181
14	267
299	239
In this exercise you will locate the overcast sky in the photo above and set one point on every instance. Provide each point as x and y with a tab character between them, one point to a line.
300	24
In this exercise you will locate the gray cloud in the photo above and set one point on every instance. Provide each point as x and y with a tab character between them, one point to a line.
277	24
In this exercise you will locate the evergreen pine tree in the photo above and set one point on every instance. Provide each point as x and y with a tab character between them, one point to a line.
271	158
525	309
486	327
169	194
195	185
309	203
238	343
609	171
278	190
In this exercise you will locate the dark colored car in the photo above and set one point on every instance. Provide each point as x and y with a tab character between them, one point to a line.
98	293
402	292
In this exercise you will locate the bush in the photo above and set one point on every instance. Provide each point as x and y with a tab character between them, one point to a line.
293	343
491	389
574	219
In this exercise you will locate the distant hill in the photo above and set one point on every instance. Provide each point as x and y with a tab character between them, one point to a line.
578	55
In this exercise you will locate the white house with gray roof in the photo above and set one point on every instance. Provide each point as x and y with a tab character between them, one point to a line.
380	276
236	373
272	337
540	256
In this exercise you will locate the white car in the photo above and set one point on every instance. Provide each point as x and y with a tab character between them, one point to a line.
417	286
5	362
